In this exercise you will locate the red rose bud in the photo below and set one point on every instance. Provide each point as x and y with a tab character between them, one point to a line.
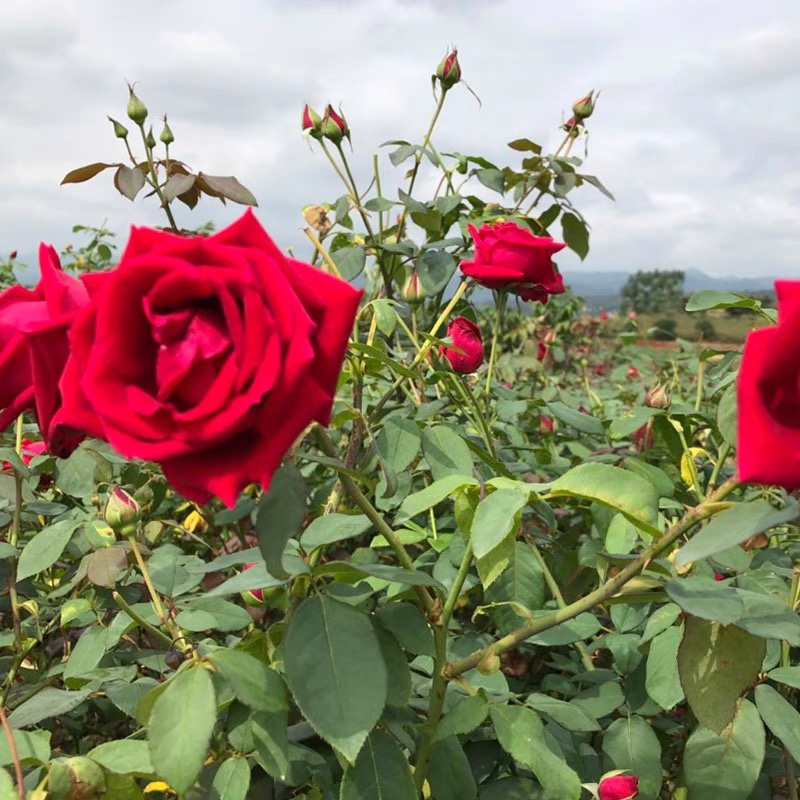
632	373
541	351
619	787
573	127
657	397
643	438
137	110
466	336
334	126
253	597
414	291
312	122
448	73
718	576
546	425
583	108
121	512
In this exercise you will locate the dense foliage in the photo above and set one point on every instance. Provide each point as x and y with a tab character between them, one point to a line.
532	575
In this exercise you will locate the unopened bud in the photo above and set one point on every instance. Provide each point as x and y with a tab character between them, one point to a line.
149	140
334	126
166	135
144	497
583	108
573	127
414	291
137	110
12	255
657	397
489	664
120	131
121	512
253	597
312	122
448	73
76	778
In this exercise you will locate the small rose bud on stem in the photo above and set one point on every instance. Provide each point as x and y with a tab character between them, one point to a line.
137	110
120	131
121	512
312	122
448	72
334	126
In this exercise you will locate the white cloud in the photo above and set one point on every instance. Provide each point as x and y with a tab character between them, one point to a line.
694	131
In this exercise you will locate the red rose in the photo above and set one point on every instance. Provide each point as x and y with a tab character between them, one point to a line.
208	355
768	444
541	351
30	450
510	257
619	787
546	424
466	337
33	328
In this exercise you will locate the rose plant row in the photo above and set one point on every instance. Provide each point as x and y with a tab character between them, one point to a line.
336	528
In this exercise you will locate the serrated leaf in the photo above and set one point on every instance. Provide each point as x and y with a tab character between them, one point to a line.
49	702
632	744
229	187
45	548
662	679
350	261
576	234
334	528
464	717
381	771
280	514
781	717
125	756
231	781
253	682
178	185
446	452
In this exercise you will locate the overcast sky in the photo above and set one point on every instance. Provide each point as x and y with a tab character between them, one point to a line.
695	133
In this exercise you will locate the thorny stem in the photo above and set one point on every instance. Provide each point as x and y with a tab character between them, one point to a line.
703	510
151	165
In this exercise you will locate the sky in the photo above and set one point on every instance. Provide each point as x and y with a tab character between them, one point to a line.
695	131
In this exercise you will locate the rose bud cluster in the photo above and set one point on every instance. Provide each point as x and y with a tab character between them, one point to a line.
466	336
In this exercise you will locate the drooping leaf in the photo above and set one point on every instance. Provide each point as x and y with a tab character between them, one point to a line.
280	514
232	780
228	186
86	173
129	181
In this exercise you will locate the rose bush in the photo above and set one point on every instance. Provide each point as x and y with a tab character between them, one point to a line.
537	575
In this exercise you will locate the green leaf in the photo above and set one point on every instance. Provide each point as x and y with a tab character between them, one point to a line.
336	672
706	598
88	652
232	780
522	582
584	423
495	519
732	526
385	316
576	234
781	717
81	174
567	715
601	700
446	452
464	717
253	682
408	626
334	528
617	488
717	665
280	514
344	570
398	672
661	619
75	475
594	181
213	613
399	442
726	767
707	299
32	747
767	616
263	732
180	727
350	261
522	735
726	414
632	744
45	548
49	702
525	145
125	756
432	495
662	680
788	676
449	772
129	181
7	788
492	179
581	627
436	267
229	187
380	772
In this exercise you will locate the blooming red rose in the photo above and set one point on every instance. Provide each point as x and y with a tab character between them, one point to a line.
466	337
768	444
508	256
619	787
208	355
33	339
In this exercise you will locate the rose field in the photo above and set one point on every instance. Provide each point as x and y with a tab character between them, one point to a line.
391	516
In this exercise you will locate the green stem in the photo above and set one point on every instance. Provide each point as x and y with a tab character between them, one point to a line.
119	600
152	167
786	660
13	540
720	463
498	321
440	679
327	446
424	349
707	508
699	398
555	590
480	421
